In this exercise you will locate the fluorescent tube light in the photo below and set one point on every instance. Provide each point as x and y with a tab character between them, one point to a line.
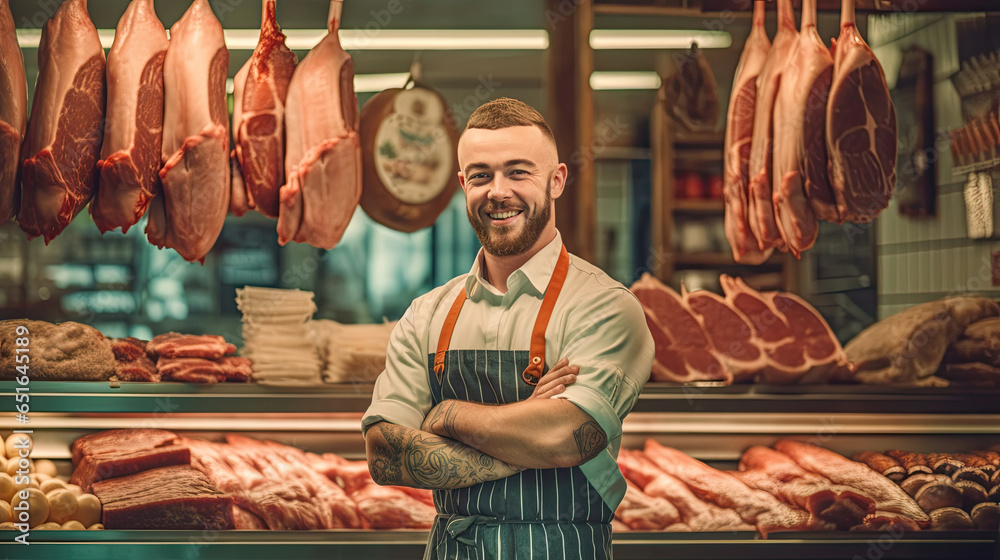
624	80
612	39
364	83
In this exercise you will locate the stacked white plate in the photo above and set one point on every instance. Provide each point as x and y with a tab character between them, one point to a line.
277	337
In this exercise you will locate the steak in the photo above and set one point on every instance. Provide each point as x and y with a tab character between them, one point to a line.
13	114
323	148
175	497
112	441
739	131
176	345
201	370
63	140
119	453
860	127
730	334
259	130
130	157
189	215
133	363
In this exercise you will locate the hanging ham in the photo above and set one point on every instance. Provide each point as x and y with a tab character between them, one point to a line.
188	217
13	114
739	130
861	127
409	151
259	127
323	152
64	134
130	157
799	162
761	214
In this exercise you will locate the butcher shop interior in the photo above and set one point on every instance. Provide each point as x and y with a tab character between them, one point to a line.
213	214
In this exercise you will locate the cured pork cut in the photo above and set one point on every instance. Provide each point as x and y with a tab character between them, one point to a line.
861	127
729	332
13	114
201	370
259	125
176	497
799	179
130	157
323	151
760	508
739	131
132	362
189	214
176	345
64	132
887	495
760	199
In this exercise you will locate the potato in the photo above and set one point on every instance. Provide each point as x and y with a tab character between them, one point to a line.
38	507
7	487
52	484
6	513
96	527
76	490
47	526
13	439
14	464
73	525
46	467
62	506
8	526
88	511
39	477
3	464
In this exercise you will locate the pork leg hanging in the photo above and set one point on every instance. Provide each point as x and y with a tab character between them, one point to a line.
130	157
323	152
64	135
188	217
13	114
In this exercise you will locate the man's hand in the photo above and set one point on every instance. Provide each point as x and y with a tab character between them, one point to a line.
555	380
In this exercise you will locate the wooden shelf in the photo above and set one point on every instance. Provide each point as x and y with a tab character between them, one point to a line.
699	206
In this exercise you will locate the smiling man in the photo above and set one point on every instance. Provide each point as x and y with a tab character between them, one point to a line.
505	389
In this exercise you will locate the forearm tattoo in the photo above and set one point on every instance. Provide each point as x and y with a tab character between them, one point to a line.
590	439
442	419
414	458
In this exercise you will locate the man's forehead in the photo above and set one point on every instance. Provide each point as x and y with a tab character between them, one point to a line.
503	144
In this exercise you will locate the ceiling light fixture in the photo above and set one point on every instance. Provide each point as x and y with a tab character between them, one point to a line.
624	80
622	39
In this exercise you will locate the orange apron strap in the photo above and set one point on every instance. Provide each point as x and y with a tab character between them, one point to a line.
446	331
536	363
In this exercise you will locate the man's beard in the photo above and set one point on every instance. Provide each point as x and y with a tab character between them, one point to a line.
500	241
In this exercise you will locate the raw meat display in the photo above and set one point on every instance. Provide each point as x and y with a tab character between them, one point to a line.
58	352
689	95
409	149
118	453
114	441
640	512
384	507
130	157
259	125
189	213
132	362
739	131
760	199
798	176
882	464
203	370
323	149
176	345
909	346
13	114
175	497
63	140
747	336
979	342
861	127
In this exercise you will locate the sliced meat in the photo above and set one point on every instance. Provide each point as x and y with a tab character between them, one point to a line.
323	153
887	495
914	463
912	484
951	519
729	332
882	464
938	494
113	464
63	139
986	516
176	345
112	441
128	349
133	363
823	353
201	370
188	217
130	156
13	114
739	131
177	497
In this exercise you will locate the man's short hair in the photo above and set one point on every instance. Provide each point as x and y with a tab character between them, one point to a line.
506	112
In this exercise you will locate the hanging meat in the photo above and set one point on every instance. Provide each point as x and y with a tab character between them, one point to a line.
323	153
689	95
409	146
258	126
238	203
861	127
799	161
130	158
64	135
13	114
189	214
739	130
761	214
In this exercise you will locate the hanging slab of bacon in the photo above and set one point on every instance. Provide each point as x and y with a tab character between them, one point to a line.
64	134
13	114
130	157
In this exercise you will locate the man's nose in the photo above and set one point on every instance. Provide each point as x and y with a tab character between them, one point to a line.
499	188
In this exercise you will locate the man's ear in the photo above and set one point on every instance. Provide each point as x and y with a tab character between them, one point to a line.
461	179
559	180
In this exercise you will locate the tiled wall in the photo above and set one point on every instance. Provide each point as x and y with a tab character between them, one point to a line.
924	259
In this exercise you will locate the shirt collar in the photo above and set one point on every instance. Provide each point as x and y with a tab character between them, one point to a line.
537	271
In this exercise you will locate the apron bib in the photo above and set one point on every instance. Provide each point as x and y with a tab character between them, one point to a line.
537	513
